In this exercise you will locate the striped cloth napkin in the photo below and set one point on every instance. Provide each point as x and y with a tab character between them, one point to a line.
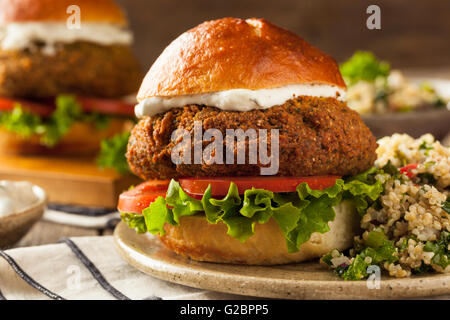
84	268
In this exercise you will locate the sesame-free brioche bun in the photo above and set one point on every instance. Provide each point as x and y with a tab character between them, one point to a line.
106	11
232	53
199	240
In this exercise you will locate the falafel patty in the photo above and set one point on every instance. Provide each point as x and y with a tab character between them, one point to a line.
317	136
81	68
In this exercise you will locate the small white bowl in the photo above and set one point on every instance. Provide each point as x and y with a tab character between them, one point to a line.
13	227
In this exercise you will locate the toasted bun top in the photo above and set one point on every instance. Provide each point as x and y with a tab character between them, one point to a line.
232	53
56	10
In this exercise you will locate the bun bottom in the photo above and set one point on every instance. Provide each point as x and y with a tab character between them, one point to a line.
199	240
82	139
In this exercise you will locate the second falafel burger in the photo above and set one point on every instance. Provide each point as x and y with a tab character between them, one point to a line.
251	154
66	69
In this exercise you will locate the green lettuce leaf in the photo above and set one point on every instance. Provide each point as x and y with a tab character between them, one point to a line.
298	214
363	189
240	227
20	121
257	205
66	113
112	153
181	203
135	221
217	210
156	216
363	66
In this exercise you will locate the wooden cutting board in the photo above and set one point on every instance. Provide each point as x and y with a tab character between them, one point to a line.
73	181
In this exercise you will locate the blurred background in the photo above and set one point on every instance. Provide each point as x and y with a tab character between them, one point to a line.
414	33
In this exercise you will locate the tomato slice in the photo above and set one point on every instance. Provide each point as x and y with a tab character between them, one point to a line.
88	104
41	109
140	197
137	199
219	186
106	106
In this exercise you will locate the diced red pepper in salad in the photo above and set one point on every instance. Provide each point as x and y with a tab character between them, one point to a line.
407	170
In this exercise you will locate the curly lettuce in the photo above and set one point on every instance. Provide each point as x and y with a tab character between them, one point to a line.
298	214
364	66
112	153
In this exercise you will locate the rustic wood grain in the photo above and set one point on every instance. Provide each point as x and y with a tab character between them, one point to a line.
413	32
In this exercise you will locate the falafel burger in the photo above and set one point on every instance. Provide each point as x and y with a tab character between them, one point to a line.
250	153
66	73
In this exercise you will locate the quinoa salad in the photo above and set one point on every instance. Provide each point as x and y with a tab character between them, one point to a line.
373	88
407	229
